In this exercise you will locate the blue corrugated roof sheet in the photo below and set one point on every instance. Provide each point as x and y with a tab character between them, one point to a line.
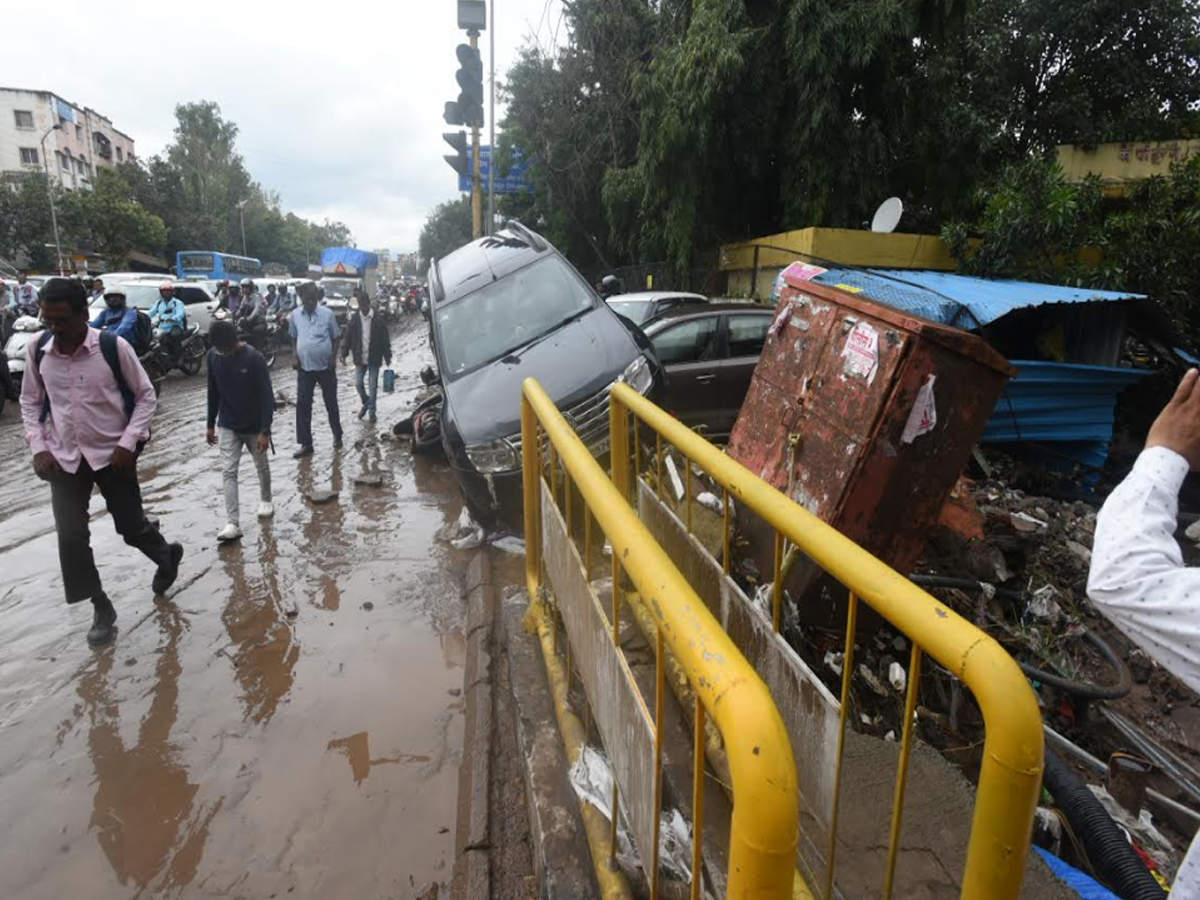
962	301
1061	403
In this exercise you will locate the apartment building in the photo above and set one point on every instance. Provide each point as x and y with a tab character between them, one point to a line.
42	132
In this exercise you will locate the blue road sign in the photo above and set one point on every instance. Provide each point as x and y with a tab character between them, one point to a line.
514	181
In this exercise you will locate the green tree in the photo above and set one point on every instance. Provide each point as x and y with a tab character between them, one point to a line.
446	229
109	220
25	226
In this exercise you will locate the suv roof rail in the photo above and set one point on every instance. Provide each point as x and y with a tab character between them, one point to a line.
534	239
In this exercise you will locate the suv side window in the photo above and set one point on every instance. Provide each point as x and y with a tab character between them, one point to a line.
690	341
747	334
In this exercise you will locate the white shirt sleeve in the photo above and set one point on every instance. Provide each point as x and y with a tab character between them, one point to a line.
1138	579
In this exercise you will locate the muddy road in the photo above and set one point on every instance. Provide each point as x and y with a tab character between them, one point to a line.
287	723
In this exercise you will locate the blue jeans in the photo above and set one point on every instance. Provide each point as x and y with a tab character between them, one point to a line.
368	399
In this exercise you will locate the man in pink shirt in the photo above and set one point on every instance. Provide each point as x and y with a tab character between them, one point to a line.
85	428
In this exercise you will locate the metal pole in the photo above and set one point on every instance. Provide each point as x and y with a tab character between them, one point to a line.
50	193
476	189
491	219
242	220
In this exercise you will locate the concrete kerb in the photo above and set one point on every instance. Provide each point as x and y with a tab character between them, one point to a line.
472	863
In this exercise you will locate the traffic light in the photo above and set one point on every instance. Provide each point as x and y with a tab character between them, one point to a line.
453	114
460	162
470	83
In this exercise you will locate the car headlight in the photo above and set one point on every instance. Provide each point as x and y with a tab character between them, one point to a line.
638	375
493	456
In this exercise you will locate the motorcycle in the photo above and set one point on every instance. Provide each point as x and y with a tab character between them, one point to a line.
158	361
424	426
268	342
22	332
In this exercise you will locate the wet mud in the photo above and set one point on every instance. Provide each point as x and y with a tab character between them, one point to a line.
288	722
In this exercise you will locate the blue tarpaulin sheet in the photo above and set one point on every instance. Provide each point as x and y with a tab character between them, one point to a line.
352	258
1083	885
962	301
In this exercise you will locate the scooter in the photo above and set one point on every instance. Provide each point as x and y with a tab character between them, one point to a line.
24	329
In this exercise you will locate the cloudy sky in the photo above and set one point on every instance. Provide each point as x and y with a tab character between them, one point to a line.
339	104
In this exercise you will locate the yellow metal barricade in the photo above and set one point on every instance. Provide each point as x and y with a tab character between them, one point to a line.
764	827
1011	768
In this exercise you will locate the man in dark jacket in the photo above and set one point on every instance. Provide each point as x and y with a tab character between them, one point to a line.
368	339
241	402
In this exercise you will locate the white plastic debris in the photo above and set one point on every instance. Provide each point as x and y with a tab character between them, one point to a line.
508	543
1043	605
890	736
897	677
1193	532
464	533
762	598
676	481
709	500
592	779
835	661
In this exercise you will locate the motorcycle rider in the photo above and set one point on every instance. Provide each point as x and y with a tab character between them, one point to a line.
118	318
26	297
222	296
170	316
251	316
97	291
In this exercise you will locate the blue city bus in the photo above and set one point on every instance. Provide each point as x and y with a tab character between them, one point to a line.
209	264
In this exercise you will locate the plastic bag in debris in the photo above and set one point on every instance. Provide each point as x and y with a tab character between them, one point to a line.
508	543
463	534
592	779
711	501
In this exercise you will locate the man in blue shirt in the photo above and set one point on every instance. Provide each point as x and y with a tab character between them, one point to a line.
242	403
118	318
315	336
169	314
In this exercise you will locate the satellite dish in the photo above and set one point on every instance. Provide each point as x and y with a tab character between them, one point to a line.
887	217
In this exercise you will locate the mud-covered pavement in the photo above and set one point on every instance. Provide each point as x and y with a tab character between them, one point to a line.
287	723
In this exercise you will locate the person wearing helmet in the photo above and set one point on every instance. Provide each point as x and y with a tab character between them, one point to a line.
223	294
170	317
118	318
251	315
610	286
26	297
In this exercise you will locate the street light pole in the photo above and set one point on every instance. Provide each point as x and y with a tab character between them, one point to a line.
242	219
491	222
50	191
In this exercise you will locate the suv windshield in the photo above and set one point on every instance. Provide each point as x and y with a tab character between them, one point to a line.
509	313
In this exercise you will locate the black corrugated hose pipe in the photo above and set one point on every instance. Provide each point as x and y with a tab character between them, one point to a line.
1114	859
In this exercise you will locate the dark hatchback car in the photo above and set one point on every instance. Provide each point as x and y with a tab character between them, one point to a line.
510	307
709	353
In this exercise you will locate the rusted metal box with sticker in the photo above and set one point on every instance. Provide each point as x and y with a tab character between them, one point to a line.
866	416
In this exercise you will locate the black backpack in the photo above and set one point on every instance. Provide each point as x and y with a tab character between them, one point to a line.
143	334
108	346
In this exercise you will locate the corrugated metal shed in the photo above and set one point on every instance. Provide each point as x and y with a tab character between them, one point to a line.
961	300
1062	403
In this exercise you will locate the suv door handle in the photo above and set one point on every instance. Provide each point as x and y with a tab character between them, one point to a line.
706	378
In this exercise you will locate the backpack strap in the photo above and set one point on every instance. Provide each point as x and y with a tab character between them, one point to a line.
39	353
108	346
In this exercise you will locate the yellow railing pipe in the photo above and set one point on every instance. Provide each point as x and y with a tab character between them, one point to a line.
764	827
1011	769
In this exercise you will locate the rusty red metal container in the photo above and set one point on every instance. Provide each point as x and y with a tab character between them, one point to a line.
866	416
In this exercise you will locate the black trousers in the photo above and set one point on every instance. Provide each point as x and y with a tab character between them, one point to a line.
306	382
70	495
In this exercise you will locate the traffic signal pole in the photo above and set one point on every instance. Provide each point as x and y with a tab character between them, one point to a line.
476	187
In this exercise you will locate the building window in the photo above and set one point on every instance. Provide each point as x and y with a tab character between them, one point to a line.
24	118
29	156
79	132
79	166
64	161
120	155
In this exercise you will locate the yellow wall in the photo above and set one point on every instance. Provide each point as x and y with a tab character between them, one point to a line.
843	245
1124	162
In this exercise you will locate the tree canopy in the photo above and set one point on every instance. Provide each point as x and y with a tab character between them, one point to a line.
664	127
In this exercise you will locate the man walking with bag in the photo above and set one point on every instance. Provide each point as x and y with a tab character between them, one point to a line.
315	335
242	403
367	338
86	404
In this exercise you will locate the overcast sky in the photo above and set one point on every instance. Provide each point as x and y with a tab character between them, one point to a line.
339	104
